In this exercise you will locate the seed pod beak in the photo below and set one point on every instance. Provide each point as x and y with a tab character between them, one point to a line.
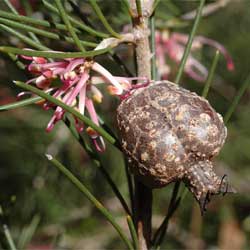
203	182
222	188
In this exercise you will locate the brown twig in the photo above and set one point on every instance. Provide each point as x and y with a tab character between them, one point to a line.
143	194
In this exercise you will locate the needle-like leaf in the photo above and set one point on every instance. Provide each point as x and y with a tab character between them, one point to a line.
102	18
19	104
81	187
52	54
211	74
67	22
189	43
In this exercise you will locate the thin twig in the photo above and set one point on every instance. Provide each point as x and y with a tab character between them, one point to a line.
143	194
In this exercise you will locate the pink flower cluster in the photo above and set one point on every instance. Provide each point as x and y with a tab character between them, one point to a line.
69	80
173	45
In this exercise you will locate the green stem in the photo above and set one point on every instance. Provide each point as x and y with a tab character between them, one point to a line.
211	74
189	43
152	47
67	22
91	198
236	99
8	237
76	22
51	54
102	18
67	108
23	38
20	103
133	232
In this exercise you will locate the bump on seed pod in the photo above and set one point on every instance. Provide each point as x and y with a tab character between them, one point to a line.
169	133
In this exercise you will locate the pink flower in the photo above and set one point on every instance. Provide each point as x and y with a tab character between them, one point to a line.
173	46
69	80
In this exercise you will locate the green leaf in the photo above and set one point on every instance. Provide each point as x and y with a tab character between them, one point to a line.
19	64
133	232
102	18
81	187
51	54
19	104
13	10
76	22
10	6
27	28
66	20
189	43
23	38
9	237
38	31
211	74
29	20
236	99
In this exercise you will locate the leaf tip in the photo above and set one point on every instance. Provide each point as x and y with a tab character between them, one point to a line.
50	157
